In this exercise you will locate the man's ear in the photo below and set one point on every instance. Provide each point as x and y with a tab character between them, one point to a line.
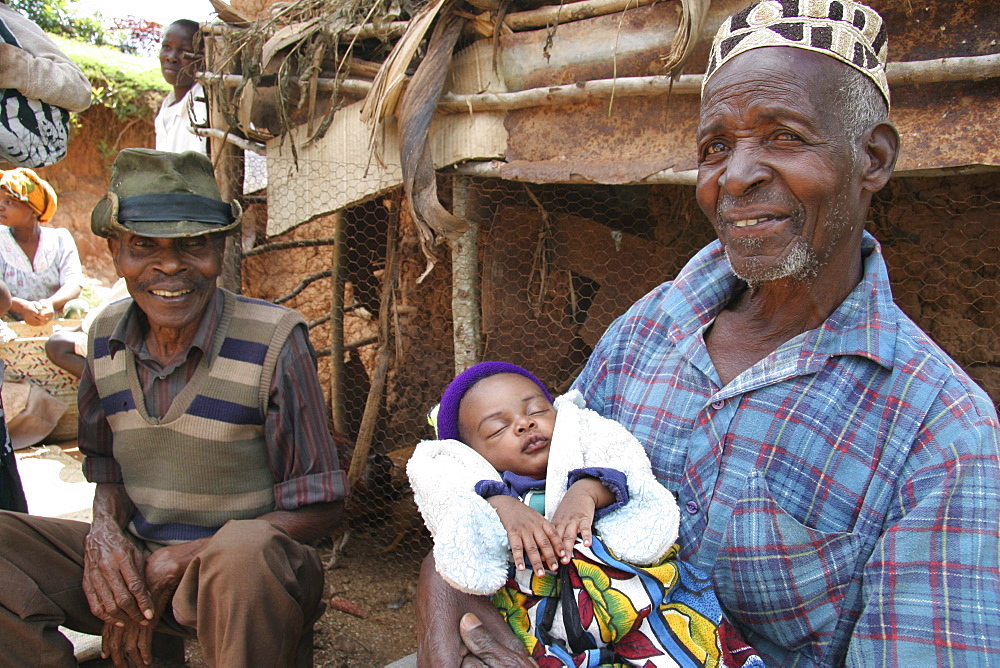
114	243
881	151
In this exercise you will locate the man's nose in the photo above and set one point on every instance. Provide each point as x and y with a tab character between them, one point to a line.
744	172
168	260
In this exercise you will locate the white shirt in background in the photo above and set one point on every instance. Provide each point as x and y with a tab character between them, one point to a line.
173	122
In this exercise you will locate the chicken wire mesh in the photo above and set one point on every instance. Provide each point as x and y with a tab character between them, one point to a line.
557	263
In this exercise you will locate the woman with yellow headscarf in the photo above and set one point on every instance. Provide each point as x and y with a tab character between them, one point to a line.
39	264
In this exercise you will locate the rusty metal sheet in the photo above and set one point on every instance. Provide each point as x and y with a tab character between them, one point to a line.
628	43
943	126
639	137
947	125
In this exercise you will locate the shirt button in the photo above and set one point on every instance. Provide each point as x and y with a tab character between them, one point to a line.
717	405
692	507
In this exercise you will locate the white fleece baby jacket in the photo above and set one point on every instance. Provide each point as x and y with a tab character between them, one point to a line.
471	550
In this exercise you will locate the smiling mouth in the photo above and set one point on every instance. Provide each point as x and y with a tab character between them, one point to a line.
171	293
753	222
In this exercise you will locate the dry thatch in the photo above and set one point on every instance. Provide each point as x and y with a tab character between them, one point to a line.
283	56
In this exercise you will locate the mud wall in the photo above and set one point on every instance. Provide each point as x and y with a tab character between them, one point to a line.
420	329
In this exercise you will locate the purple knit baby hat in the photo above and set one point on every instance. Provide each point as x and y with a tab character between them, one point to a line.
447	417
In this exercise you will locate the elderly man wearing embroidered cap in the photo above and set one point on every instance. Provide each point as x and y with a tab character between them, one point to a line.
202	424
840	473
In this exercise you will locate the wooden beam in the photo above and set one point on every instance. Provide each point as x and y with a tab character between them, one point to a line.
337	371
466	309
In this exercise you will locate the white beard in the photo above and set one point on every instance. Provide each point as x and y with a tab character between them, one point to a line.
800	264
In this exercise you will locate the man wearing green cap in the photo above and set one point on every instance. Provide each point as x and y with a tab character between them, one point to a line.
202	422
839	474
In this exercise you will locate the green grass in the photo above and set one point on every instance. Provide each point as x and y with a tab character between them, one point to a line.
129	85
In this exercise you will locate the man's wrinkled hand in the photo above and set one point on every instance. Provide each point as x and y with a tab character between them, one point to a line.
125	642
113	577
485	650
134	641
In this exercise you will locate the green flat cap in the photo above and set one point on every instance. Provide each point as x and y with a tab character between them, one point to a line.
164	195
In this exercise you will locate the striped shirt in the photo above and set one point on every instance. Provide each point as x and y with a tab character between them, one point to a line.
301	452
844	492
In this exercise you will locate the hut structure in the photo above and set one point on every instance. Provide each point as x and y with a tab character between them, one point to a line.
457	181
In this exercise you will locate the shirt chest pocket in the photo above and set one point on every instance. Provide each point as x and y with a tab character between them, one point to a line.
783	580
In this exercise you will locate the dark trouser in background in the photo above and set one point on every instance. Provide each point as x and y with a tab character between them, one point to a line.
249	597
11	492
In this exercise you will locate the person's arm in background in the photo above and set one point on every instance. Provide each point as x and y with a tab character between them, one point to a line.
70	272
65	293
39	69
5	298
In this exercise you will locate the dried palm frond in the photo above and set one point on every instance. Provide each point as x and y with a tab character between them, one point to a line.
285	37
228	13
387	88
282	55
415	114
693	13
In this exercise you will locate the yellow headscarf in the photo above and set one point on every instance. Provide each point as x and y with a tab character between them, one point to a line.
31	189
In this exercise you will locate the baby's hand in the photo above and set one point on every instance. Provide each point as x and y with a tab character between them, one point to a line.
528	532
575	514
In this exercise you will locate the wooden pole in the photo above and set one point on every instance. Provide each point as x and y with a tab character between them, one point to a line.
962	68
366	432
466	309
493	169
285	245
966	68
567	12
228	162
337	374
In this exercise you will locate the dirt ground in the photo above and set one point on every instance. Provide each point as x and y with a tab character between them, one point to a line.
382	587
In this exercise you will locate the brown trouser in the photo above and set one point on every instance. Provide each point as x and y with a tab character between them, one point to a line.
249	596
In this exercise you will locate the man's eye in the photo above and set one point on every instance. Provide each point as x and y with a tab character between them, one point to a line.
786	135
715	147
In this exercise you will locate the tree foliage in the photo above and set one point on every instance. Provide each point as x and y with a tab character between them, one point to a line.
136	36
54	16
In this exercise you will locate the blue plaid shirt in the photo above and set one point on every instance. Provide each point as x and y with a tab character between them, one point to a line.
844	492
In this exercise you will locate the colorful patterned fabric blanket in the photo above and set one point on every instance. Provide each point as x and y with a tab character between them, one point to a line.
600	611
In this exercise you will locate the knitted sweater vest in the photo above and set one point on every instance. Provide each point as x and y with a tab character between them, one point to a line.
205	462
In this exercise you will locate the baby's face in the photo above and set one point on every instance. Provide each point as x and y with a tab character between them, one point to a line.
507	419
